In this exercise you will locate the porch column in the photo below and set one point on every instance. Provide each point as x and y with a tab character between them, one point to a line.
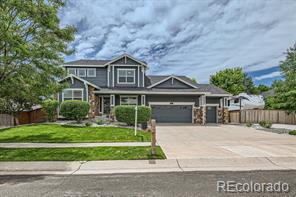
203	108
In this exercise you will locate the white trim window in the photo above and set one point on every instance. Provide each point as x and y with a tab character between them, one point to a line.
72	94
91	72
81	72
128	100
143	100
71	71
126	76
112	100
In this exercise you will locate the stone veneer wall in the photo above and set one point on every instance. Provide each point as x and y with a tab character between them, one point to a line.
92	101
199	115
223	115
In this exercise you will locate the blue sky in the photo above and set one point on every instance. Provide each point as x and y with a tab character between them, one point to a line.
187	37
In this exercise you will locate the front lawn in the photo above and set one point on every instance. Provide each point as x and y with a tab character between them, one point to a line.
79	154
61	133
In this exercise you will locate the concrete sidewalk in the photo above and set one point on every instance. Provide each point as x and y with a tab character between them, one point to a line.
64	145
142	166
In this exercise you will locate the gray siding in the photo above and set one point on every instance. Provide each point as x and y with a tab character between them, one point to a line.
117	99
128	61
134	65
213	100
126	85
172	98
176	84
76	84
101	76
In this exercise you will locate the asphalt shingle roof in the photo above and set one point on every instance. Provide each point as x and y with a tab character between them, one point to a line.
87	62
152	79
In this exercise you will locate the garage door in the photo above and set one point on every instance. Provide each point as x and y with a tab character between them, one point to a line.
211	114
172	113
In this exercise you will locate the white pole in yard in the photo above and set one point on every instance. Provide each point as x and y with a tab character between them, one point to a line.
136	119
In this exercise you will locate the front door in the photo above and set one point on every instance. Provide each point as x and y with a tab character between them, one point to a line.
106	105
211	114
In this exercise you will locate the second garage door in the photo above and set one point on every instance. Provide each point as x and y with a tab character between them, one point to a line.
172	113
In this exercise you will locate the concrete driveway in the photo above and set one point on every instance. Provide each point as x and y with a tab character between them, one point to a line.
181	141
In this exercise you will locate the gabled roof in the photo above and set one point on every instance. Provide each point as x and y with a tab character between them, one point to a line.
91	62
71	76
128	56
156	80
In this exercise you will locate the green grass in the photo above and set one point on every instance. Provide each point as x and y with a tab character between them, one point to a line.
79	154
292	132
59	133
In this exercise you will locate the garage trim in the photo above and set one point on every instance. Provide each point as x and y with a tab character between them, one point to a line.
176	103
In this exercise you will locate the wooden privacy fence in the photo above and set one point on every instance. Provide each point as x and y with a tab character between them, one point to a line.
255	116
6	120
25	117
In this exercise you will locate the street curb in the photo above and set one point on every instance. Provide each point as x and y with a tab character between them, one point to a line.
147	166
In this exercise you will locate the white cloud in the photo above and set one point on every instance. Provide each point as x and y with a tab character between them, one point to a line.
269	75
195	38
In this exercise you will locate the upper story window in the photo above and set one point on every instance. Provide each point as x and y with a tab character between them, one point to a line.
81	72
91	72
72	71
72	94
126	76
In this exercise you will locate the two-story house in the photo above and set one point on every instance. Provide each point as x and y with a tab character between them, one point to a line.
123	81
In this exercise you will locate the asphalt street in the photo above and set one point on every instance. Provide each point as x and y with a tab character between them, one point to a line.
146	184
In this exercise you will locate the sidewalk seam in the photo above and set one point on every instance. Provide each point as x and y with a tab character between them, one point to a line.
81	163
276	164
179	165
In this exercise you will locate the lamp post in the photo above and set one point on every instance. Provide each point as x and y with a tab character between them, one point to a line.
136	119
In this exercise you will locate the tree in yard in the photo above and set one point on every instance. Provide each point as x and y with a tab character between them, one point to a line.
194	79
262	88
32	45
233	80
50	108
285	90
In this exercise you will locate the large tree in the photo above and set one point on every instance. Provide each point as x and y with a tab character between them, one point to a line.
32	46
30	36
233	80
285	90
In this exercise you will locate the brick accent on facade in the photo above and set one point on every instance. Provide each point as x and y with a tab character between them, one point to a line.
199	115
223	115
92	101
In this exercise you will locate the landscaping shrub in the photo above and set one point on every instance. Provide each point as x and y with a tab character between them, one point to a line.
50	108
249	124
292	132
265	124
74	110
126	114
88	124
100	121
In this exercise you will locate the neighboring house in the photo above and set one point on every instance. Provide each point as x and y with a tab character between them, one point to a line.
246	101
123	81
